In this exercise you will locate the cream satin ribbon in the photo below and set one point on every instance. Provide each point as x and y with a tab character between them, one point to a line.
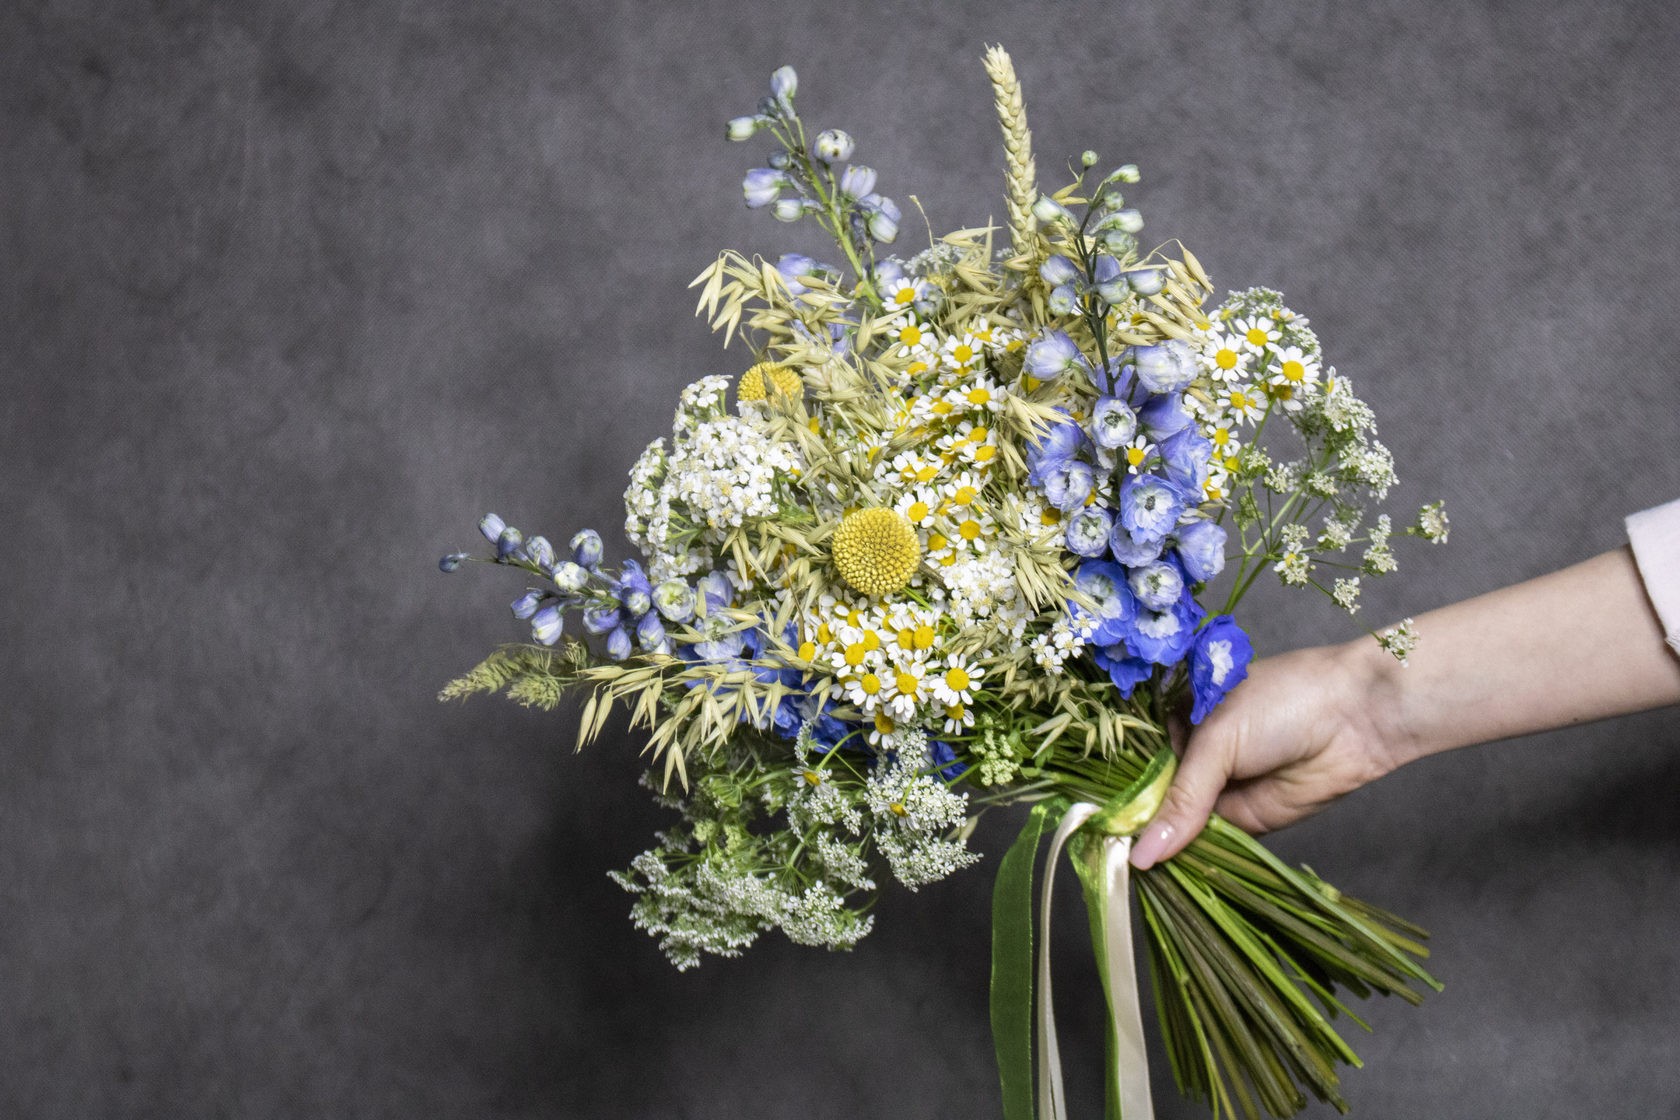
1117	823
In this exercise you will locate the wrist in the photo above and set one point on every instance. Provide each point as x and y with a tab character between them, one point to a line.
1373	688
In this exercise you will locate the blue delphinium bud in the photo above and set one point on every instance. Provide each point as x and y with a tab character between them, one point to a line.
491	526
1126	173
650	632
570	577
601	618
1064	300
1051	355
717	590
1058	270
637	601
880	216
675	600
586	547
762	186
1108	280
1088	531
1118	241
526	605
1113	423
539	552
1201	546
743	128
1051	212
788	209
1157	584
509	542
452	561
834	145
546	625
1166	368
784	83
1126	221
857	181
780	160
618	644
1087	158
1146	281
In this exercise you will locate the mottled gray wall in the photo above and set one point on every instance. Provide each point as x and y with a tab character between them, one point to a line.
292	292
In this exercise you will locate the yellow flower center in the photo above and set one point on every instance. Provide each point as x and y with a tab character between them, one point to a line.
807	651
963	353
908	684
855	653
876	551
870	683
956	678
969	529
1257	336
910	335
1226	358
758	382
924	636
979	396
918	511
964	495
1135	456
813	777
1294	371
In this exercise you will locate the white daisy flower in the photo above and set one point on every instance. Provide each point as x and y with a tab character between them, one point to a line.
1225	356
864	691
1257	332
907	689
956	685
1137	453
1295	368
1242	402
919	505
904	293
958	718
961	352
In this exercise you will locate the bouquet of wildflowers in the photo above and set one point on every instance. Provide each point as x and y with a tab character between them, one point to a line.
972	524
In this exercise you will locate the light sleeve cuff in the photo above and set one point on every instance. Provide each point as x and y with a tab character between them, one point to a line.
1655	537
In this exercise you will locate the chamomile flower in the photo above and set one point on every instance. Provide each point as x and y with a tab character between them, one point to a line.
919	506
961	352
1225	356
978	393
907	689
1242	403
863	691
973	530
1294	368
915	338
1257	332
957	684
960	489
916	469
1136	454
904	293
958	718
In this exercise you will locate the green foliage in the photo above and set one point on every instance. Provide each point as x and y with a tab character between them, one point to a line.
530	675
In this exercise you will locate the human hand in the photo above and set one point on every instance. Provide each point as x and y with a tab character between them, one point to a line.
1304	729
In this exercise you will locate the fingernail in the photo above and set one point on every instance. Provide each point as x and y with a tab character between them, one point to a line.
1150	845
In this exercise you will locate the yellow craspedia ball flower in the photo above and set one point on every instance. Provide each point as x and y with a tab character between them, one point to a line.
756	383
876	550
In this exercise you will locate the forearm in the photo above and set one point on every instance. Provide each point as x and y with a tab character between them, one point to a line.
1577	645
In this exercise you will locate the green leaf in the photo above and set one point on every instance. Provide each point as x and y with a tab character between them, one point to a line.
1012	965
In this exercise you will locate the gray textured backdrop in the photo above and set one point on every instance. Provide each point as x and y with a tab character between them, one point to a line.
291	293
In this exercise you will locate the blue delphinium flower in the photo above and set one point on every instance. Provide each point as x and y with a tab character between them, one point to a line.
675	600
1149	506
618	644
1167	367
1125	670
1146	281
1088	531
526	605
453	561
1051	355
1104	584
1186	454
650	634
880	217
1218	664
1164	637
1067	485
1201	547
942	756
1157	585
1163	416
491	526
1059	443
570	576
1130	550
509	543
1113	423
716	591
633	589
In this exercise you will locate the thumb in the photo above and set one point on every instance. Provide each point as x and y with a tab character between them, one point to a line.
1201	775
